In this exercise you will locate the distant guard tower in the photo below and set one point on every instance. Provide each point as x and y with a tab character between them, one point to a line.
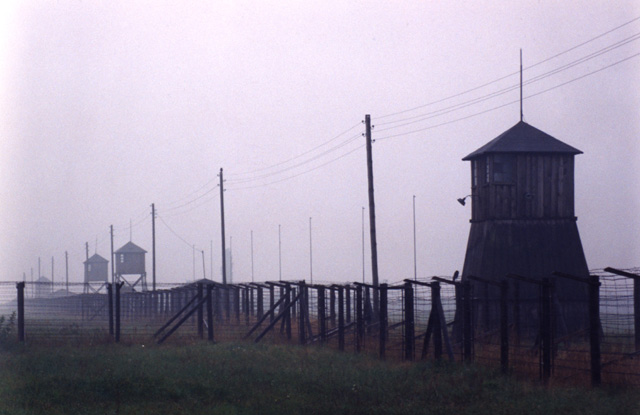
523	220
96	273
130	260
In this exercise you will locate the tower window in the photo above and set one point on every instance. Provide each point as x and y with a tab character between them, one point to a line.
503	168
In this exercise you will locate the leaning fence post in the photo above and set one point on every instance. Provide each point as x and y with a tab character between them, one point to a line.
383	320
20	287
504	327
594	329
409	328
200	315
110	307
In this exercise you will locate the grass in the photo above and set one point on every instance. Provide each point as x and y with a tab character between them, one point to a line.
241	378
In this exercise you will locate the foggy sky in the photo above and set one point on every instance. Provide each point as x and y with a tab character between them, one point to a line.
107	107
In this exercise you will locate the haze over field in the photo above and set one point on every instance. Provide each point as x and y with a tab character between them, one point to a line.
108	107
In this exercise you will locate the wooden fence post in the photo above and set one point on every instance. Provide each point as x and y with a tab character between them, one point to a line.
210	312
348	304
409	329
359	319
259	302
383	320
341	318
594	330
200	314
110	307
301	314
322	315
332	307
467	331
20	301
117	316
437	321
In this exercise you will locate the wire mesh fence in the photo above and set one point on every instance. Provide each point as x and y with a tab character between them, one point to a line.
409	320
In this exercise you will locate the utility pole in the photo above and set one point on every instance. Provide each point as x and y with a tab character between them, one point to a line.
66	269
224	254
52	274
211	259
194	262
112	264
372	213
153	244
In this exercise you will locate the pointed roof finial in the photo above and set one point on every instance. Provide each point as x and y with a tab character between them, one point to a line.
521	116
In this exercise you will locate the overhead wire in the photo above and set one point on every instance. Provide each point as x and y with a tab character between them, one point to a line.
508	75
454	107
511	102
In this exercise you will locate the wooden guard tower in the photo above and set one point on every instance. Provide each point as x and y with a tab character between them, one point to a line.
523	220
130	260
96	272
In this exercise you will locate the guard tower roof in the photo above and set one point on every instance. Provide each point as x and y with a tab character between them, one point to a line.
523	138
130	248
95	259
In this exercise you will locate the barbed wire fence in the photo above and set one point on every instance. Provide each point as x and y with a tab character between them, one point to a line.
420	319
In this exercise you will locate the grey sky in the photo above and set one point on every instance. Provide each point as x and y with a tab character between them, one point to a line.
107	107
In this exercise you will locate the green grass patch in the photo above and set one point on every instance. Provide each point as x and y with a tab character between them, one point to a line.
266	379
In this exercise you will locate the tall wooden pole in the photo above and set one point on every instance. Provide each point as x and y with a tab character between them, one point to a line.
363	244
153	244
372	213
224	254
52	288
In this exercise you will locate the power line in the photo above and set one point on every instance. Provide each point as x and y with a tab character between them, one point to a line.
328	151
301	173
508	75
174	232
511	102
446	110
298	156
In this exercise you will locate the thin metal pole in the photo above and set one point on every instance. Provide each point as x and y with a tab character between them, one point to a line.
66	269
193	248
310	253
415	263
153	244
224	254
279	255
204	272
521	113
252	256
363	245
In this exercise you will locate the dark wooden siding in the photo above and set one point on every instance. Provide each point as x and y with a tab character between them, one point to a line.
133	263
96	271
542	188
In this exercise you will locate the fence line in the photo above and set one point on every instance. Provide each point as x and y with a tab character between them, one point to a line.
415	320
